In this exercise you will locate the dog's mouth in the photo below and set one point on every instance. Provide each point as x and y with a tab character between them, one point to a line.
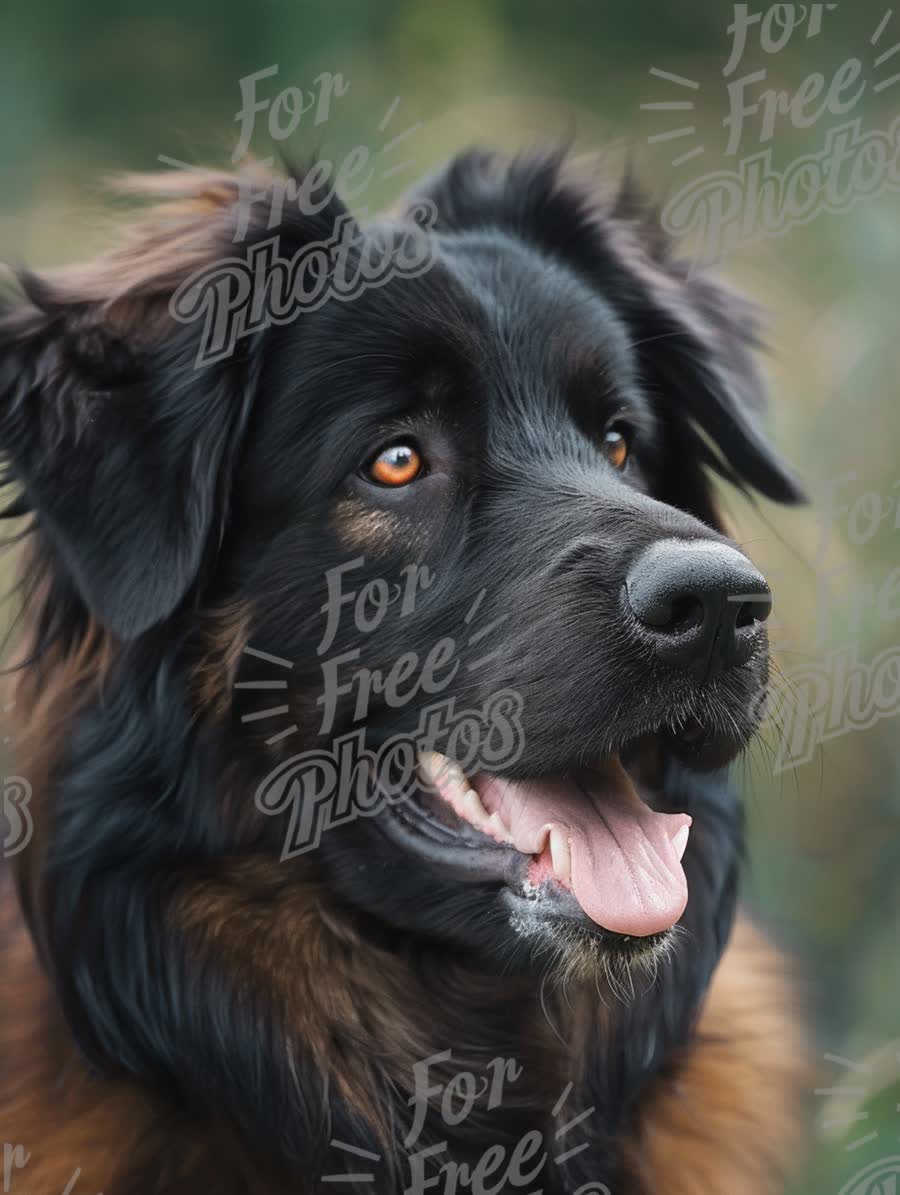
585	842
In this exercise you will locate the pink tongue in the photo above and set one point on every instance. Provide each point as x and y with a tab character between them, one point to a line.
626	871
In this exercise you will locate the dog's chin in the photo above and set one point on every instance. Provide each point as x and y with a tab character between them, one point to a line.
557	939
586	867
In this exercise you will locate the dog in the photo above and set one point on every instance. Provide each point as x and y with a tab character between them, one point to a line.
377	685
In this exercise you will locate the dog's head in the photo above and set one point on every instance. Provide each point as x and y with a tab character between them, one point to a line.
464	525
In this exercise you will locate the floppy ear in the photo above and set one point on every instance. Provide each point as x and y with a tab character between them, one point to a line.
123	446
121	454
694	339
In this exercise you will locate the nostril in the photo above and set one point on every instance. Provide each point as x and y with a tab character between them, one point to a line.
746	616
686	613
752	609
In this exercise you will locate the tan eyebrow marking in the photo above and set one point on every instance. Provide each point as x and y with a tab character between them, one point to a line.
368	529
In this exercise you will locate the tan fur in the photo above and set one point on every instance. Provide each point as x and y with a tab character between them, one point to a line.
191	223
358	1009
724	1120
373	531
50	1108
45	697
225	632
66	1119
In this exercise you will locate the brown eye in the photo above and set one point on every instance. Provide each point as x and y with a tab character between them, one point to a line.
615	447
398	465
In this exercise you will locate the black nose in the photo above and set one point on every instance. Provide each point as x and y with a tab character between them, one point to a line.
699	603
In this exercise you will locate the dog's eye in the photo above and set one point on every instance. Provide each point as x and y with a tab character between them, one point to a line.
617	444
395	466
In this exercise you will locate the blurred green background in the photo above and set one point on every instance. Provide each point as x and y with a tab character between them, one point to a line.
94	88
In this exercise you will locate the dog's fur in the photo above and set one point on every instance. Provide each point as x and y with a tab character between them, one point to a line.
207	1016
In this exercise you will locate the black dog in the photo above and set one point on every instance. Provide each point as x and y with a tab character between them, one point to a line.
380	676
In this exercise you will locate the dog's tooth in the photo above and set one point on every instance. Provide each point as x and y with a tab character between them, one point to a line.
450	782
445	776
434	765
456	776
680	841
560	853
473	810
495	826
459	786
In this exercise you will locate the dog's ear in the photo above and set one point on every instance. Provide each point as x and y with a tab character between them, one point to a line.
699	347
696	342
120	452
121	443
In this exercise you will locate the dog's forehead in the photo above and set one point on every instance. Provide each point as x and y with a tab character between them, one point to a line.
494	330
534	303
503	323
